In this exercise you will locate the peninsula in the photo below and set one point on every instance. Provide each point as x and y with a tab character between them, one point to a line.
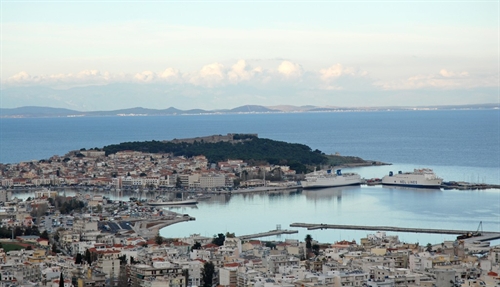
211	162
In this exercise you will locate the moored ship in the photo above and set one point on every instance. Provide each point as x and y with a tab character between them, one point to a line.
424	177
321	179
162	202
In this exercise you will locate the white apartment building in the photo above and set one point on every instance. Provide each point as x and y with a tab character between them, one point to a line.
212	180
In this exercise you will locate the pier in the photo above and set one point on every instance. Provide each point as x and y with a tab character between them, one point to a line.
485	236
149	227
268	233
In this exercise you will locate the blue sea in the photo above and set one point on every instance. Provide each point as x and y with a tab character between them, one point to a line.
460	145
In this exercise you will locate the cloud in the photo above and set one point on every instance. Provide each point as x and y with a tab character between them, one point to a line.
170	75
290	70
145	76
276	77
210	75
445	80
239	72
338	77
335	71
448	74
20	77
85	77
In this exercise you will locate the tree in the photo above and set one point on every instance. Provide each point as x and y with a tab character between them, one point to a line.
315	249
78	259
123	259
270	245
61	280
207	274
185	273
44	235
122	276
88	258
18	231
196	246
308	240
428	247
159	239
219	240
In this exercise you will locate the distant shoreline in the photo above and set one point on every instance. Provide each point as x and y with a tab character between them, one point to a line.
48	112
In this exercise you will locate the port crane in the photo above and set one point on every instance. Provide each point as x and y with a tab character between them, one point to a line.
478	232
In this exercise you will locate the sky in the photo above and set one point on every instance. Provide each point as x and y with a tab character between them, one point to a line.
105	55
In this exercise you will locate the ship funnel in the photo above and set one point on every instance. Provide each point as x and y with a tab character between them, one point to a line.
329	171
339	172
391	173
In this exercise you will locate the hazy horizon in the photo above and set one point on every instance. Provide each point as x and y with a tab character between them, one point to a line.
220	55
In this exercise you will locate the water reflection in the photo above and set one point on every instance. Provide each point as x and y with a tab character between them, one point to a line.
411	189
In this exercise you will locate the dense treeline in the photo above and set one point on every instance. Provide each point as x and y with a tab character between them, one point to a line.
7	232
297	156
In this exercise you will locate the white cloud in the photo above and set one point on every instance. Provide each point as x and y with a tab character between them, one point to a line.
145	76
335	71
335	76
85	77
290	70
445	79
210	75
217	75
448	74
170	75
239	72
332	72
20	77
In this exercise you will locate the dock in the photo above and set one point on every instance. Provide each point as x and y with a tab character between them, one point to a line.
150	227
268	233
485	236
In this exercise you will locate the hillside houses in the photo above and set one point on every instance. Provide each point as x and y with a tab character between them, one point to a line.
130	170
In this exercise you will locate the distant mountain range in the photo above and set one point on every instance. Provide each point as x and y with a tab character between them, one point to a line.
37	112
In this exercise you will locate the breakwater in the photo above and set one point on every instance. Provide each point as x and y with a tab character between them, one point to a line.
486	235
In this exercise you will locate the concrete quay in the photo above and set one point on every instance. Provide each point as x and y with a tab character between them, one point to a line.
150	227
258	189
486	236
268	233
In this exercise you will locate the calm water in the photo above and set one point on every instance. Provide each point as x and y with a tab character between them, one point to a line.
458	145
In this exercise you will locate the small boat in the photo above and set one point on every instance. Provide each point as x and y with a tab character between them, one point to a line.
201	196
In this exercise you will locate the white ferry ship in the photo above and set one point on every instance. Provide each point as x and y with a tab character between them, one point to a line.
320	179
424	177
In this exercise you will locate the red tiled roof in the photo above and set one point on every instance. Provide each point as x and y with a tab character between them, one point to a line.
210	245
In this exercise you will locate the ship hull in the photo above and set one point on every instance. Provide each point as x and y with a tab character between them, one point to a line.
169	203
414	185
419	178
330	180
317	186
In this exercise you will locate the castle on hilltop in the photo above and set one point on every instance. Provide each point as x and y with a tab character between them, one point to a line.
232	138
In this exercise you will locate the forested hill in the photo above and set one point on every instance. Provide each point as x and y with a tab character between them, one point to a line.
255	150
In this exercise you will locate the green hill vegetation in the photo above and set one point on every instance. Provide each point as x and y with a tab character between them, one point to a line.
251	149
254	150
